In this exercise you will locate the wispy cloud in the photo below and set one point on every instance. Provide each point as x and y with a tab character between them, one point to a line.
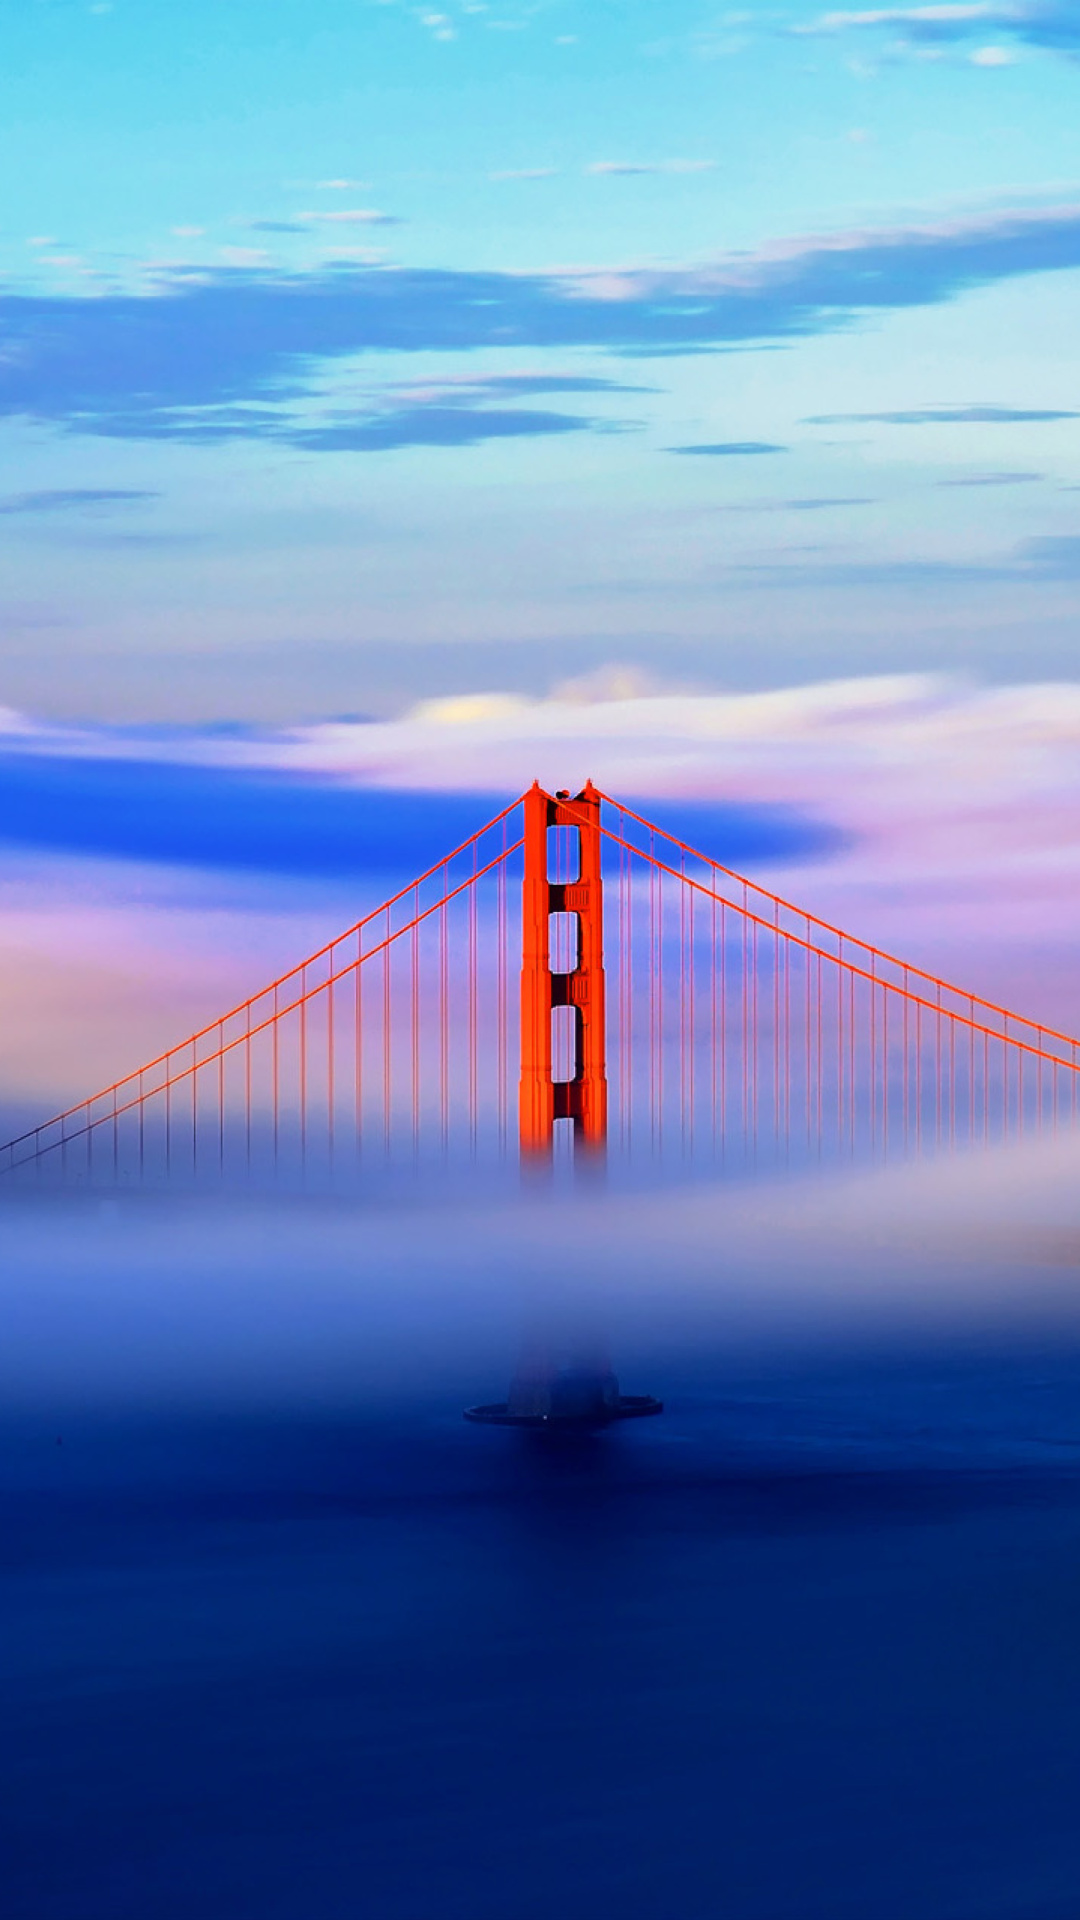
445	412
435	426
935	22
1042	560
243	256
1054	555
349	217
992	480
500	385
730	449
632	167
819	504
73	499
258	340
777	565
1050	24
944	416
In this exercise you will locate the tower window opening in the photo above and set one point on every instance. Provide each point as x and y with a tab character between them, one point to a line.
564	941
563	854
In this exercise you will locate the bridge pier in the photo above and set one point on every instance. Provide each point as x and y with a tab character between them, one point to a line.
571	1391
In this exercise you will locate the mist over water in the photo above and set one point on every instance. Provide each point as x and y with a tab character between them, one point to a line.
284	1636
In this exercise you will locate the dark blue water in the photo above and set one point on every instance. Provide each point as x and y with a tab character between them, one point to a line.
807	1645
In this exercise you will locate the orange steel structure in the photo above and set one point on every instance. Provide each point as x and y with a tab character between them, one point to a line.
582	1097
731	1023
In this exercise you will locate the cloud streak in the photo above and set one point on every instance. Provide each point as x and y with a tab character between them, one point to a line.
349	217
730	449
1053	25
445	412
631	168
993	480
945	416
257	341
72	499
432	426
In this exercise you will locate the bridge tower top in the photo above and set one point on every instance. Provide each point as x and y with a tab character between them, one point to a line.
583	1097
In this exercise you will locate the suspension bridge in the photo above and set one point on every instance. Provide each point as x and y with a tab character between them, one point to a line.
571	982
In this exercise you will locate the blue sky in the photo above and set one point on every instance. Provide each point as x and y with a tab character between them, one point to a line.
353	354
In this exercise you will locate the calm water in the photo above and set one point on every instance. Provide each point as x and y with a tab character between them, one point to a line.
284	1637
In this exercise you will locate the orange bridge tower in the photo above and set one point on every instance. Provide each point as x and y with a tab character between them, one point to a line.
583	1098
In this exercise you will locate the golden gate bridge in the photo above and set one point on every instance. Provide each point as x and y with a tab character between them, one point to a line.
571	978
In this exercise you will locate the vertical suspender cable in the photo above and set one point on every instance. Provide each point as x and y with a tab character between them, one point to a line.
473	1036
690	1012
444	1014
303	1068
775	1030
851	1059
986	1085
415	1019
937	1071
904	1078
873	1054
885	1071
743	1021
331	1078
723	1032
682	892
712	1013
358	1047
819	1056
221	1096
754	1031
918	1077
657	994
500	963
275	1074
839	1046
809	1079
387	1035
622	1009
626	1022
650	1001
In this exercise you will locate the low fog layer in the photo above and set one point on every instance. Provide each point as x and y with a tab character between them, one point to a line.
144	1302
